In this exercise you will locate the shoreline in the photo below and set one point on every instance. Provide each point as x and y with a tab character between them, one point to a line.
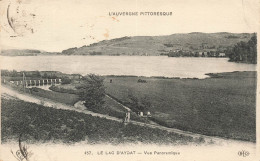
201	57
207	75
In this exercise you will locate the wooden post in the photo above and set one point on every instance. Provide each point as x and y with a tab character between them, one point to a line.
128	116
24	82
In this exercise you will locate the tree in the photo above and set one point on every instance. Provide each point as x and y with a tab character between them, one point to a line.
133	100
139	104
146	103
45	75
244	51
65	80
92	91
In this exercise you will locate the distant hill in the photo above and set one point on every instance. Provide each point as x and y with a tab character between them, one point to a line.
149	45
18	52
25	52
158	45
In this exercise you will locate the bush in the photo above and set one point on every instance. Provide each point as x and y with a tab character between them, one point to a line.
65	80
63	90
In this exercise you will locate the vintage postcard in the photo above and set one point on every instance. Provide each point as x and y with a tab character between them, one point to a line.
88	80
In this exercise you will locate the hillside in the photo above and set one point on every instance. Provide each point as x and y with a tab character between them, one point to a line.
148	45
157	45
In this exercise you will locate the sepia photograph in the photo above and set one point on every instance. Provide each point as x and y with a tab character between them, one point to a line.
109	80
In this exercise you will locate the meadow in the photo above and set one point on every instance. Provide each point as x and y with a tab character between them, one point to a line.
223	105
39	124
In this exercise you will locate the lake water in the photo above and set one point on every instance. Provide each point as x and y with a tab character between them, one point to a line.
125	65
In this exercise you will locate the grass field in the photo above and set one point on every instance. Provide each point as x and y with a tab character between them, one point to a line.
224	105
43	124
65	98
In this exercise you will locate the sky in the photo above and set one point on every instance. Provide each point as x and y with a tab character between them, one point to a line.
55	25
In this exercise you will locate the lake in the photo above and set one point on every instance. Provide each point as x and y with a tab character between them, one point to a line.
125	65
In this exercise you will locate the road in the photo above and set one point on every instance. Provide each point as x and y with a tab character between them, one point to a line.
79	107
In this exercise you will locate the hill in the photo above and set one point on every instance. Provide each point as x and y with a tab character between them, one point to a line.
159	45
148	45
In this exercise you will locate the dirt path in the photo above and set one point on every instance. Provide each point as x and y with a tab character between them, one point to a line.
79	107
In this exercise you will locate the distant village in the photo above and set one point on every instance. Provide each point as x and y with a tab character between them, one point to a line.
204	50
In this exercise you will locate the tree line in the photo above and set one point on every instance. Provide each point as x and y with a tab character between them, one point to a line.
245	52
